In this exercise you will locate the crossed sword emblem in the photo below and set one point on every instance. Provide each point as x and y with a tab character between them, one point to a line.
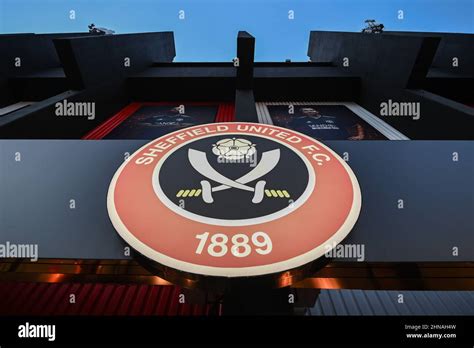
269	160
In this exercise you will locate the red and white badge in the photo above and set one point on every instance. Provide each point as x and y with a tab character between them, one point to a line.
234	199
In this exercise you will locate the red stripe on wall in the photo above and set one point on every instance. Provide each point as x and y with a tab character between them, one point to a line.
225	112
55	301
137	306
114	300
80	299
103	299
106	127
95	299
150	300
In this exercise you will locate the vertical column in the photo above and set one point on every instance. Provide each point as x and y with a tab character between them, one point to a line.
245	110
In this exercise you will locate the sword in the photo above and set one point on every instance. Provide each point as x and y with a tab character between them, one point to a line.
199	162
267	163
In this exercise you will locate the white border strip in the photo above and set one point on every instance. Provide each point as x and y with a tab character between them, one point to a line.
263	114
14	107
384	128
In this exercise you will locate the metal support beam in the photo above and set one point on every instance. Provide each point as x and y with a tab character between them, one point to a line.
245	54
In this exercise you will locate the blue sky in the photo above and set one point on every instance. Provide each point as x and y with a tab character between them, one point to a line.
208	33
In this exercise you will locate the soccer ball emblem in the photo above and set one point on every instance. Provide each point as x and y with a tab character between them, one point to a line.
234	149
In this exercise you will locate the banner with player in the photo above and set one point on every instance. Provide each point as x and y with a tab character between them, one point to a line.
152	120
327	121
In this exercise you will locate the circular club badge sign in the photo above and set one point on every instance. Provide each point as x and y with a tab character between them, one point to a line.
234	200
